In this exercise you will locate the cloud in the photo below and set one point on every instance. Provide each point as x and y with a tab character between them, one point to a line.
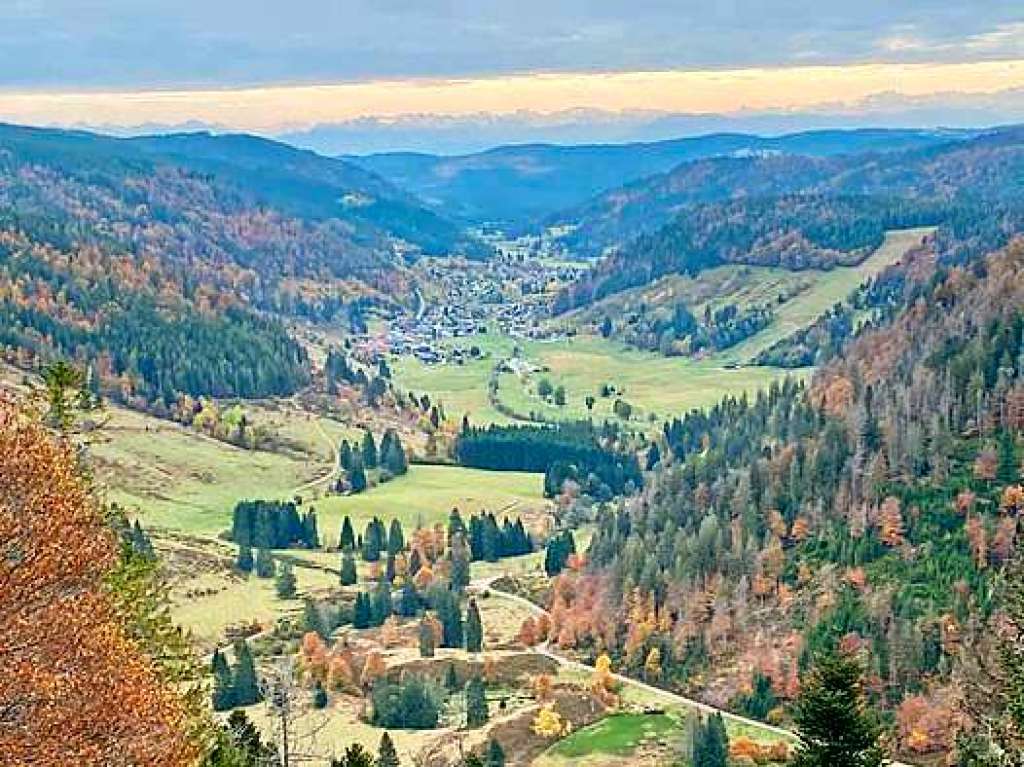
188	43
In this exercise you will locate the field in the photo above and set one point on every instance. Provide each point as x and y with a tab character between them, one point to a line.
618	735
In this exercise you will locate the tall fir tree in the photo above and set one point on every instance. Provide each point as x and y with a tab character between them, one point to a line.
474	628
285	584
349	576
361	612
387	756
711	744
265	567
223	682
835	725
244	561
477	713
369	450
347	539
495	754
245	684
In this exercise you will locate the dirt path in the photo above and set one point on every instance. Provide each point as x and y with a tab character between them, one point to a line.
545	650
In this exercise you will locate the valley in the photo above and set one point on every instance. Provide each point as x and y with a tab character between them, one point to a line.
610	480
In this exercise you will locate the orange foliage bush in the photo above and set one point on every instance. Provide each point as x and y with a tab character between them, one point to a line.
75	688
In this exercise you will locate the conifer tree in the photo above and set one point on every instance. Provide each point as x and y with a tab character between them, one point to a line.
369	451
387	756
285	584
426	639
835	726
223	682
474	628
357	477
347	539
245	685
244	560
476	703
361	613
320	699
451	679
1008	469
711	744
345	455
313	619
265	567
349	576
396	538
495	754
448	612
408	600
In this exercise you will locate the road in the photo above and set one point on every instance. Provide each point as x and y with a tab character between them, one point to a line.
680	700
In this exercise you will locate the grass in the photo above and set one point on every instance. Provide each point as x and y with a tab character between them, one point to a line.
178	479
829	289
427	494
618	734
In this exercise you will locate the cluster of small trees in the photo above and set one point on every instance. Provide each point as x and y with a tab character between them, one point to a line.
273	525
355	460
235	685
489	541
560	547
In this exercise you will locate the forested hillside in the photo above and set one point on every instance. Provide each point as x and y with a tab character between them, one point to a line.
519	186
800	212
872	509
163	262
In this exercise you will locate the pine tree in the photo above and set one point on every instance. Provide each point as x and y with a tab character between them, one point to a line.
345	455
320	699
357	477
361	613
495	754
245	685
835	725
387	756
264	564
448	612
285	582
474	628
1007	470
313	619
459	556
381	607
425	635
408	600
355	756
476	703
349	576
711	744
451	679
369	451
244	561
347	540
396	538
223	682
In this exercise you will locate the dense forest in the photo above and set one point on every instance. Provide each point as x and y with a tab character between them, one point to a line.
160	263
870	510
576	451
801	212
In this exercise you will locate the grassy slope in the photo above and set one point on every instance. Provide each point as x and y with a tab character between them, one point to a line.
829	289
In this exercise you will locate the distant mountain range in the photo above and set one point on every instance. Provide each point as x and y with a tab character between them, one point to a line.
517	187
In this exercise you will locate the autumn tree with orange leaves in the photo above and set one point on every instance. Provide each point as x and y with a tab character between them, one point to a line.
77	687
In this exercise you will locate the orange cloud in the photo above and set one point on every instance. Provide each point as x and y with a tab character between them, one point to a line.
277	107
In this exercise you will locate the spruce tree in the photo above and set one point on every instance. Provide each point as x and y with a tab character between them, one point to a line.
320	699
265	567
357	477
459	556
245	685
426	639
223	682
345	455
285	584
244	561
313	619
835	726
349	576
476	703
711	748
387	756
408	600
396	538
1007	470
369	451
451	679
495	754
448	612
381	607
474	628
347	540
361	613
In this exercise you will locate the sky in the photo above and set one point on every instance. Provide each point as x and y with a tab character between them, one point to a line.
279	67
